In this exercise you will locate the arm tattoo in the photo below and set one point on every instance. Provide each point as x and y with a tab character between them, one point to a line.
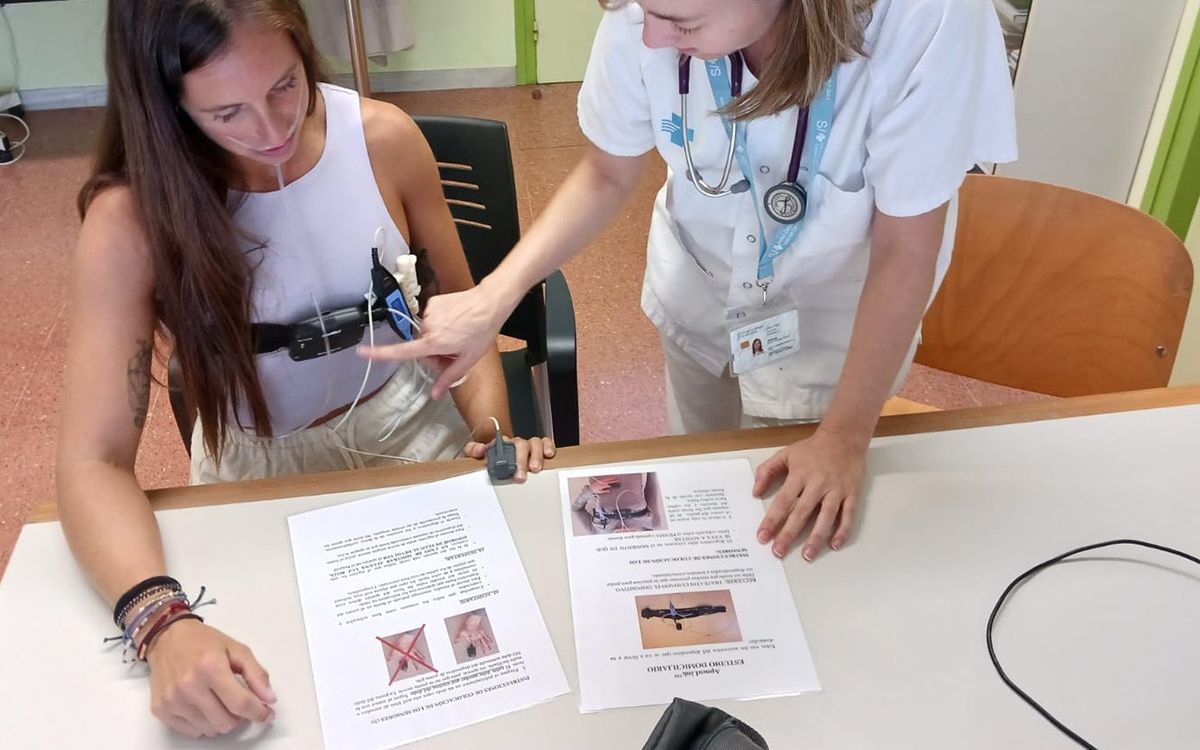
139	382
426	278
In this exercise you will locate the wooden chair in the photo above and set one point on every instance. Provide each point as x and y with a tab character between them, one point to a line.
1059	292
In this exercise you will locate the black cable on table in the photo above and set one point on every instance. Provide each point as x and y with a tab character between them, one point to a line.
1029	574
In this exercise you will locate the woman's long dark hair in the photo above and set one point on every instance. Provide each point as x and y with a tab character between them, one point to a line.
179	180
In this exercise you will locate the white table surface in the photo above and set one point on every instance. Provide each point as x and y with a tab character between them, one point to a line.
895	621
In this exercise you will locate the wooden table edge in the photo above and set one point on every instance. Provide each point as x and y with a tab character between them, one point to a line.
652	448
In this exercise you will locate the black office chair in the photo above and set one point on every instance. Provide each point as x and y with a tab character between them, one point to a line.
477	176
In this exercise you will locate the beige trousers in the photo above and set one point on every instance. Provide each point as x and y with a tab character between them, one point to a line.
699	402
429	431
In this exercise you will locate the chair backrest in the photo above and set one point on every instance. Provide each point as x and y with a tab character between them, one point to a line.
475	164
1059	292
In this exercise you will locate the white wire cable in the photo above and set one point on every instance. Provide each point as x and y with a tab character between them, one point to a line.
390	429
14	145
370	297
462	451
377	245
617	506
287	207
402	459
328	352
336	428
24	125
421	369
495	422
402	413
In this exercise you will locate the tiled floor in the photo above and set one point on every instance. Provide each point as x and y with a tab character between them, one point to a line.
620	364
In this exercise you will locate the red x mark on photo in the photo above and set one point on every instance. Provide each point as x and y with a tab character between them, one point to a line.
406	653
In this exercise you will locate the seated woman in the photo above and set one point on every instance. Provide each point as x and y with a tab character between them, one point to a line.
233	191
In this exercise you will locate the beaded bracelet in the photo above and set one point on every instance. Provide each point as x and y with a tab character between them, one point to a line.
139	593
142	600
135	624
131	632
162	605
160	625
160	617
142	617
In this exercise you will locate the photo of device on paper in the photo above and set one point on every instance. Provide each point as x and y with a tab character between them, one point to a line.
691	618
471	635
405	655
616	503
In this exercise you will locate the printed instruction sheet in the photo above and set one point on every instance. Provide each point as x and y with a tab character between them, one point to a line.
670	591
419	615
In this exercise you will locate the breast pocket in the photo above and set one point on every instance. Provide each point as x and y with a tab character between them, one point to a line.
834	245
844	216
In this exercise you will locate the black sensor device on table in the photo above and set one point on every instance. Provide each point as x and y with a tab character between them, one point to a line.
501	459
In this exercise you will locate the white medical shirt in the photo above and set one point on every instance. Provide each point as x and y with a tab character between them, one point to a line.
931	98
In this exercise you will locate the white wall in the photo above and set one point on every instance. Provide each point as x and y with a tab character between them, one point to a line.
565	32
61	44
1087	88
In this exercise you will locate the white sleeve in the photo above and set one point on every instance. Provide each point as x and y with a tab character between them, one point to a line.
614	106
943	102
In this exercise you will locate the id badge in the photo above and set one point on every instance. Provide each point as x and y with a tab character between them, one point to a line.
763	340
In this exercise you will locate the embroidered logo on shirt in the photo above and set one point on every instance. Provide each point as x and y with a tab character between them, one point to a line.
674	126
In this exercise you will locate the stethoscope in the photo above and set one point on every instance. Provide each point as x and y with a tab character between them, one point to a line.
787	201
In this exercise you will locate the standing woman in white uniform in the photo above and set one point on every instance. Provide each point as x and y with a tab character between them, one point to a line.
828	140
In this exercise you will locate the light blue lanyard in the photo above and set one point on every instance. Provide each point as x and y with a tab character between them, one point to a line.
820	121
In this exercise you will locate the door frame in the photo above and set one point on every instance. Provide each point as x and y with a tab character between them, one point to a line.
525	14
1173	190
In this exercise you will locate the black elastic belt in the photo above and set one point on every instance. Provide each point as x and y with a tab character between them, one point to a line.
332	331
602	517
270	337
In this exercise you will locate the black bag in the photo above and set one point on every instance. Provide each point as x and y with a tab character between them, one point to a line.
692	726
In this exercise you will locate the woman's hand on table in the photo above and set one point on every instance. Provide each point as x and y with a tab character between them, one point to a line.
822	476
204	684
531	454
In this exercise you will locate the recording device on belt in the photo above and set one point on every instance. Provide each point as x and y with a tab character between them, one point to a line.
386	288
341	328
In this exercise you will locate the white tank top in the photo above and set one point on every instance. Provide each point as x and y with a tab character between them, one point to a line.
318	232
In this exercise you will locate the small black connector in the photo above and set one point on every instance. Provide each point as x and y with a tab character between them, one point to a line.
502	459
